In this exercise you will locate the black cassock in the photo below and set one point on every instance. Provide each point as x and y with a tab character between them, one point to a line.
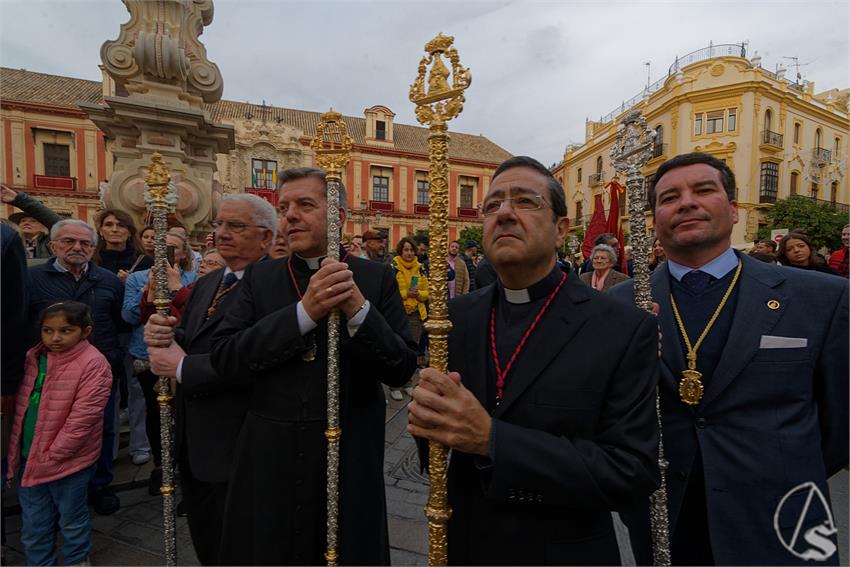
575	434
276	505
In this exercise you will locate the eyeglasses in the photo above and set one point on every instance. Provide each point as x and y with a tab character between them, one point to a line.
519	203
70	242
212	263
233	226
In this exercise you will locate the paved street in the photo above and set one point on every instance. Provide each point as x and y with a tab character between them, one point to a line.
132	536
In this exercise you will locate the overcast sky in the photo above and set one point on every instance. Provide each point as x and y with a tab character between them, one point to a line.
539	69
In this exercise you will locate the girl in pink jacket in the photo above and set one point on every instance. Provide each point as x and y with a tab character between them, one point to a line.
56	435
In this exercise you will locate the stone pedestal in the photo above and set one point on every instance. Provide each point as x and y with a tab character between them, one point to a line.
162	79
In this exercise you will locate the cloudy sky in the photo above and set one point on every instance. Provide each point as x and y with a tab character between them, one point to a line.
539	68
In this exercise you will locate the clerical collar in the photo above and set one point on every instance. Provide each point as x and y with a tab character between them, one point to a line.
719	267
538	290
312	263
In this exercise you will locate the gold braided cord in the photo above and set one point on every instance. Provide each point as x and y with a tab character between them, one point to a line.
692	350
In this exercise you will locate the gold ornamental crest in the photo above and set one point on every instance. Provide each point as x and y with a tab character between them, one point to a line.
331	144
439	86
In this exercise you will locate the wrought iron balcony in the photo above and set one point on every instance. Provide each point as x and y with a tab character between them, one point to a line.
821	156
772	138
594	180
838	207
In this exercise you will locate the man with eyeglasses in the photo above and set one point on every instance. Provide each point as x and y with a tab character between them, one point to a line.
71	275
210	413
273	340
549	406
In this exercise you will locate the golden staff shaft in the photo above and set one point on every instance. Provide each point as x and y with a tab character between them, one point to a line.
438	326
158	187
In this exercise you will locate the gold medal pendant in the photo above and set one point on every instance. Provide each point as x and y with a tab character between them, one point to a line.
310	355
690	387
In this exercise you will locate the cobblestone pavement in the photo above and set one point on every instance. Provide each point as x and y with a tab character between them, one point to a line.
132	536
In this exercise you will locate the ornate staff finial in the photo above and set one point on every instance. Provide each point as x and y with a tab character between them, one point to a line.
632	149
331	146
442	100
438	95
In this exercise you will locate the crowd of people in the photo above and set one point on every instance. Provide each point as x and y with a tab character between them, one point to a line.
549	406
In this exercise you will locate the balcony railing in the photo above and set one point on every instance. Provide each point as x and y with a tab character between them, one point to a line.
419	209
767	196
838	207
54	182
772	138
720	50
468	212
821	156
594	180
384	206
269	195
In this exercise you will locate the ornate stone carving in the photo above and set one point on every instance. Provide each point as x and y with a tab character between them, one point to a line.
158	49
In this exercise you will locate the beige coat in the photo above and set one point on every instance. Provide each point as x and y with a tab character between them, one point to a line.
461	277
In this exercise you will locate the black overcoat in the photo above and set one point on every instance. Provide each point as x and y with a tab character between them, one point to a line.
277	497
574	438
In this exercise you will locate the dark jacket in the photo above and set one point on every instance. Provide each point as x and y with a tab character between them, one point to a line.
13	302
773	415
574	438
43	214
125	259
209	416
277	493
100	289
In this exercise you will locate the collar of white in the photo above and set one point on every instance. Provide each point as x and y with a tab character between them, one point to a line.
517	296
312	263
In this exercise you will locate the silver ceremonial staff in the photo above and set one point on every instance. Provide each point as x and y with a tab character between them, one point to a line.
160	202
331	146
631	151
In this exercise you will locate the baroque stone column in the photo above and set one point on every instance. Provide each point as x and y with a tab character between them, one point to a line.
162	81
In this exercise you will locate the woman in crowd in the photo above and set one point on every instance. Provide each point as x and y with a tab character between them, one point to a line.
179	276
413	287
795	250
210	262
604	276
146	240
657	255
117	248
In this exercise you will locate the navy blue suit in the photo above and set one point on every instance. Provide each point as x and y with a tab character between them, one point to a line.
770	419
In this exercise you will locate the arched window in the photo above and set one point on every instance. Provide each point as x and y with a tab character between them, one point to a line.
599	165
833	196
836	146
768	118
795	178
658	142
817	138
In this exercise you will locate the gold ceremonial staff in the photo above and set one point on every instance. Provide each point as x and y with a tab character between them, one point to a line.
631	151
332	145
435	106
161	198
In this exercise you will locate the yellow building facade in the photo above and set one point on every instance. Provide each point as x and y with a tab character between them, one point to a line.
51	150
778	137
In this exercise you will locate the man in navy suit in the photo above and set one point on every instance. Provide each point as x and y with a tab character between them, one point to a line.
550	405
754	385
